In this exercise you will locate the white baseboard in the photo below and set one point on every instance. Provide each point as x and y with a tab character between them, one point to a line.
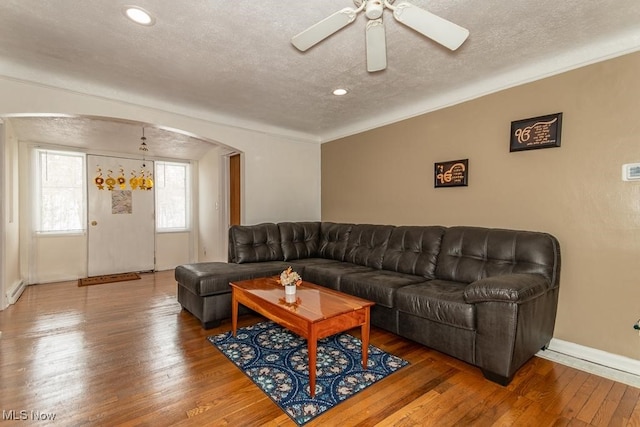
598	362
15	291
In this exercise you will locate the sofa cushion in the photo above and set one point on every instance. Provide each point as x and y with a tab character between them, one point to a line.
255	243
438	300
378	286
367	244
299	239
468	254
330	274
413	250
299	265
210	278
333	240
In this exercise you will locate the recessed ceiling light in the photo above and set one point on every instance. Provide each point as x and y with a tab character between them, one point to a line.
138	15
340	92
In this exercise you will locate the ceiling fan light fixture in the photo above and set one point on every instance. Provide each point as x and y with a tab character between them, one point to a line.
340	92
374	9
138	15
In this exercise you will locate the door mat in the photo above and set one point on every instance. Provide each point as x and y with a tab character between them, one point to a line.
107	278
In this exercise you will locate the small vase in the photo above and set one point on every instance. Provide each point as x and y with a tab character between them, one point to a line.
290	290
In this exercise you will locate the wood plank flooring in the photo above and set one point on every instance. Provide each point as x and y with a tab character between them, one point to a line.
126	354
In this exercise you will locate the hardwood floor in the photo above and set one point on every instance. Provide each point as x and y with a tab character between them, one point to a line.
126	354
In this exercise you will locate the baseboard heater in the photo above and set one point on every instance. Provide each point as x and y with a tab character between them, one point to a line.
14	294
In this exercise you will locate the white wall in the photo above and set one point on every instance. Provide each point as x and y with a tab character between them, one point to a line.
10	264
173	249
270	192
3	285
57	258
211	206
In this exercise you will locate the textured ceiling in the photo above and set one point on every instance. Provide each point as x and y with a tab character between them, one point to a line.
110	136
232	61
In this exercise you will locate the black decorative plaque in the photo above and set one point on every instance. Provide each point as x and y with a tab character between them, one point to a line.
453	173
537	132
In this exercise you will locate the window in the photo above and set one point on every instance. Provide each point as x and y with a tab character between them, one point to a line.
173	196
60	192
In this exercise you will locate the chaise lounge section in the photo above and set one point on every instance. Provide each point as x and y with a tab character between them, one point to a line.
485	296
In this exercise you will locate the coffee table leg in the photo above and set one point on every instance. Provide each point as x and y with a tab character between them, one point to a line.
365	339
312	345
234	312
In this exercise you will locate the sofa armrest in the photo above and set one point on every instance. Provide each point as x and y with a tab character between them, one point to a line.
506	288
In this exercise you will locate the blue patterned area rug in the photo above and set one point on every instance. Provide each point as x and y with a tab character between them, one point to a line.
276	360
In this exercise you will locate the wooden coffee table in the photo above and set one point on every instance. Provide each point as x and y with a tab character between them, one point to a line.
316	313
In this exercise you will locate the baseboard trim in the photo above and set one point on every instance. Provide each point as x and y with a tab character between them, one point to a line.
13	294
598	362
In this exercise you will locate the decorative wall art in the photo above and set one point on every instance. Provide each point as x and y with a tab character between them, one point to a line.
536	132
453	173
140	180
121	202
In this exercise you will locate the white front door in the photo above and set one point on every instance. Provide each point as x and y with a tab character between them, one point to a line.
121	229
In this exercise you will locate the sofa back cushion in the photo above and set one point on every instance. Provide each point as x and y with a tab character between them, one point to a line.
333	240
254	243
468	254
367	244
413	250
299	239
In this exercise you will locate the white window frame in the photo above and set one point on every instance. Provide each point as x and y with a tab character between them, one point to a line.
37	192
187	201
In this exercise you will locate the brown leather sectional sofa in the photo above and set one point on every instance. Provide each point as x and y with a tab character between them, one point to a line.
486	296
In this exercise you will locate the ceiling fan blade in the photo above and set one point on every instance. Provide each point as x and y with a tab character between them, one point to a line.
426	23
323	29
376	46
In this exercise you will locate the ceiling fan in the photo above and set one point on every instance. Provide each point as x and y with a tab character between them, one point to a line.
426	23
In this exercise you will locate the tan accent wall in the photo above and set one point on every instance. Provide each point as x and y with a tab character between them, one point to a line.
385	176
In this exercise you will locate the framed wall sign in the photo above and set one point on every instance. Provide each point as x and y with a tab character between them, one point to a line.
536	132
453	173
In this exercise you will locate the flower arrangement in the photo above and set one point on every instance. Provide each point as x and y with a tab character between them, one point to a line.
290	278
